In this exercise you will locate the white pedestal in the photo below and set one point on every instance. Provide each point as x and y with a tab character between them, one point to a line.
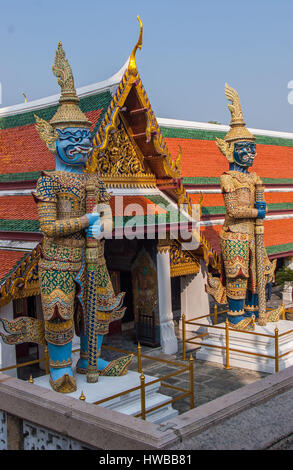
128	404
250	343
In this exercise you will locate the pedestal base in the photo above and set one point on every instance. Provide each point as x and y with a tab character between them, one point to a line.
250	343
128	404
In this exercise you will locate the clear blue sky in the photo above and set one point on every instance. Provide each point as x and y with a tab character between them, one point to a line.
190	49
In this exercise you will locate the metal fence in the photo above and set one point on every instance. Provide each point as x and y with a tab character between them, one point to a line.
182	368
194	339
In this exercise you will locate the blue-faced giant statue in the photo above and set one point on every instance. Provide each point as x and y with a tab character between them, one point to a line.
247	271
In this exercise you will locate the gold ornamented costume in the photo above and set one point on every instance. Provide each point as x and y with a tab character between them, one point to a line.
239	283
74	213
61	199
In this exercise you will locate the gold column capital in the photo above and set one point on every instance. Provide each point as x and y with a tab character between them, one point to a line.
163	245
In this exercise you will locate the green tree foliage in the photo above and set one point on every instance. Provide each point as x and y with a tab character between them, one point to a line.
283	275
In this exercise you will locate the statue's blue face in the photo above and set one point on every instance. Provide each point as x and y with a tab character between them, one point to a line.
74	145
244	153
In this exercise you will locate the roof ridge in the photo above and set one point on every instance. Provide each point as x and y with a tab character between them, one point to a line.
196	125
53	100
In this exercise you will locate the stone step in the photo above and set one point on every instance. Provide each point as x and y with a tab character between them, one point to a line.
128	403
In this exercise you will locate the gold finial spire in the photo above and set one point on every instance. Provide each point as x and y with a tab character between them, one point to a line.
132	63
68	114
25	98
63	72
235	107
238	131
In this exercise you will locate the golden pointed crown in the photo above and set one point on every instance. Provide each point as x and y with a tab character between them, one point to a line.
238	132
68	113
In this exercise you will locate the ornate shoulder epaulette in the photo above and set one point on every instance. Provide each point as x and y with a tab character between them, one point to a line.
227	183
46	188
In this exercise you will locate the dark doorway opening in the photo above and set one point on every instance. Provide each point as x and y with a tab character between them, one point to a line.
126	286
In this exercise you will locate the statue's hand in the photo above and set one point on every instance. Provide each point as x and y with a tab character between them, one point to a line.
261	209
95	231
92	218
261	214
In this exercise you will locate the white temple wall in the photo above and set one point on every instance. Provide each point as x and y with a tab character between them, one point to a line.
194	299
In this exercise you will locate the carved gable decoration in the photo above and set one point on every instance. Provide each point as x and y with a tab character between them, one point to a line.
120	163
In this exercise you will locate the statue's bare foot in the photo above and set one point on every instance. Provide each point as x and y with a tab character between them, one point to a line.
271	316
247	324
115	368
65	384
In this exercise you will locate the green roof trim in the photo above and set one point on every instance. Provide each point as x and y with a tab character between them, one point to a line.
203	134
220	210
203	180
274	249
207	180
277	180
89	103
19	225
13	177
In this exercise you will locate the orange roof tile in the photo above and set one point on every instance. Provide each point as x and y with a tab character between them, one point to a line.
203	158
8	260
18	207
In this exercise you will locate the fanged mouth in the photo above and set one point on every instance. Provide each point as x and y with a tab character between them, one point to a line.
79	149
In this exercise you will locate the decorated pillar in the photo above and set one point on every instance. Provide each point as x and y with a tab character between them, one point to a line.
167	333
7	352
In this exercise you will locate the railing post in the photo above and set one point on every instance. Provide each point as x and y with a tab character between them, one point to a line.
276	350
139	357
215	315
227	346
183	337
47	360
191	381
142	395
283	311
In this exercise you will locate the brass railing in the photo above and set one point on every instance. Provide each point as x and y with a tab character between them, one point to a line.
194	321
29	363
142	386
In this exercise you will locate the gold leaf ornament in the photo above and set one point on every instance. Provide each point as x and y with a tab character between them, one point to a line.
47	133
63	71
226	148
235	107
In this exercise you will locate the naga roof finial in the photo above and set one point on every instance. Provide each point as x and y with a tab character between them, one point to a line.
132	63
